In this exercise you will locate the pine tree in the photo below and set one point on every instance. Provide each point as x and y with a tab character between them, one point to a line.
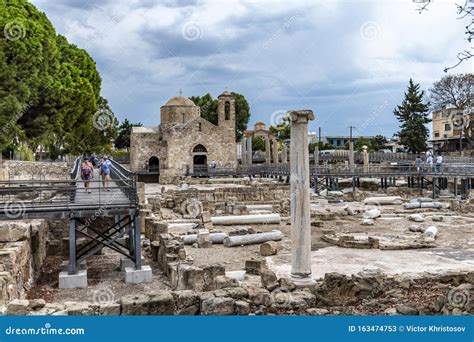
413	117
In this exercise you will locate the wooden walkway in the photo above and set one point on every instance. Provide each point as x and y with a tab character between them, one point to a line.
98	195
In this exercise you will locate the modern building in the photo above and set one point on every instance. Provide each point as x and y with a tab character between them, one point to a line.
449	128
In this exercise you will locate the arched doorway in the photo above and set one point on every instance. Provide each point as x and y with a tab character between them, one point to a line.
154	164
199	160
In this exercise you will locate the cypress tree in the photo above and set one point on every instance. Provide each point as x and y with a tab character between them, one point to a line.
413	117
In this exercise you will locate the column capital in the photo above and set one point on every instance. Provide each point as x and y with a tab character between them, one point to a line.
301	116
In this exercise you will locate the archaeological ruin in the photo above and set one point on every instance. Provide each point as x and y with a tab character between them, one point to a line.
286	237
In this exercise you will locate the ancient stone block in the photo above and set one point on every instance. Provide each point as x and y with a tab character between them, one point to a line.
18	307
269	279
217	306
222	282
134	305
242	308
160	303
187	302
268	248
259	296
254	266
11	231
190	277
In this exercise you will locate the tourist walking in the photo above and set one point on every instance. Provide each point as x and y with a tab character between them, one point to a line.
439	163
418	162
87	173
429	161
105	165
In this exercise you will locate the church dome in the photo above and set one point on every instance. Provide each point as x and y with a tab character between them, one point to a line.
179	101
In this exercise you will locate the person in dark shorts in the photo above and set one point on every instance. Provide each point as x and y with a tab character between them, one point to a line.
105	165
87	173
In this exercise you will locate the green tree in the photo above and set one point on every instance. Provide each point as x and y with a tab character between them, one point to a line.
209	111
281	131
49	88
208	107
413	117
378	142
125	129
258	143
361	142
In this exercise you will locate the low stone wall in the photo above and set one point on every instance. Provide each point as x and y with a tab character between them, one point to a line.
22	253
336	294
212	198
26	170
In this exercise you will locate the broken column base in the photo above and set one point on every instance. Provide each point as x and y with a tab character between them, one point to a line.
73	281
133	276
302	281
126	262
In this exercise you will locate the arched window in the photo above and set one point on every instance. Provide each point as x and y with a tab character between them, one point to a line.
199	127
199	149
183	118
227	110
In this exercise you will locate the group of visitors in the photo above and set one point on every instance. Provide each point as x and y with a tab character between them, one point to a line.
430	162
87	171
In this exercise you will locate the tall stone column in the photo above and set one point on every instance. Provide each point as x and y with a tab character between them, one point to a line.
351	155
275	151
300	200
284	154
316	156
249	150
243	150
365	156
267	151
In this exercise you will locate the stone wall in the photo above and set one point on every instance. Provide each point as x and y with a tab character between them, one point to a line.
212	198
22	253
336	294
25	170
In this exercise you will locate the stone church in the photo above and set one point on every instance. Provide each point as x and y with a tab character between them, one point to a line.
184	141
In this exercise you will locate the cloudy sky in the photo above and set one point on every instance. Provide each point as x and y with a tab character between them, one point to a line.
348	61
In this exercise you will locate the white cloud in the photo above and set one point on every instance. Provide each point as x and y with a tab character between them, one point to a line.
341	58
